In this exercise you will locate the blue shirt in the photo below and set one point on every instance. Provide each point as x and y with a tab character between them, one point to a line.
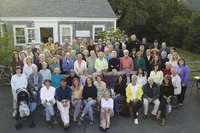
56	80
63	94
68	66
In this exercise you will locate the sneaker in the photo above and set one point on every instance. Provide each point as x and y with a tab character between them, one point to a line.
180	104
136	121
14	113
137	113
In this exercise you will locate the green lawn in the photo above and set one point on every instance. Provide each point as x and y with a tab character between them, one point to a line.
190	57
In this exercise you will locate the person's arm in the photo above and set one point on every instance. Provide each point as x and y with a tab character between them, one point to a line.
120	64
140	93
96	65
31	82
80	95
51	97
49	74
75	67
58	97
128	94
132	65
95	93
13	84
40	81
144	91
161	77
42	96
25	82
69	97
157	94
106	64
186	76
64	67
112	104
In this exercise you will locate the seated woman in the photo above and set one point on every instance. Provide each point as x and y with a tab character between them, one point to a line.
134	94
79	65
47	96
139	61
101	88
84	77
120	94
55	78
71	77
89	99
46	74
141	77
35	83
77	90
166	93
157	74
27	70
54	64
106	111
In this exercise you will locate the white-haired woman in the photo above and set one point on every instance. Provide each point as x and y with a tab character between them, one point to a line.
107	105
27	70
79	65
55	64
55	79
176	82
101	63
91	61
114	62
46	74
41	60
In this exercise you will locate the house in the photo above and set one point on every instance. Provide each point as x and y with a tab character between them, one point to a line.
194	4
36	20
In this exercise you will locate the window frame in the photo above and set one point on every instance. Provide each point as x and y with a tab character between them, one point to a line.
71	33
25	34
35	35
93	30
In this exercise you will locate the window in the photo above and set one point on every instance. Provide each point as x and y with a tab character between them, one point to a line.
65	33
96	30
19	35
33	35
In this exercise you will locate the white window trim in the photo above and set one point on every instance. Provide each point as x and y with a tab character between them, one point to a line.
38	34
25	32
71	33
93	30
1	28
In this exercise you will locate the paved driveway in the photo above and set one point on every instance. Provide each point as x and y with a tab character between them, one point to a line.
184	119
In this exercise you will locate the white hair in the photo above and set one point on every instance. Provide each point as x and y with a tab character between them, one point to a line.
34	66
126	52
56	69
150	79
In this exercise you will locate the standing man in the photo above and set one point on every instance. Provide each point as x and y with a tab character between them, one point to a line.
133	43
63	95
126	62
49	45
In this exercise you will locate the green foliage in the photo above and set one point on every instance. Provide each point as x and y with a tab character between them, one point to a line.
6	49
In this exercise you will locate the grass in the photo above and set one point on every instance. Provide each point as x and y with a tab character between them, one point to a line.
190	57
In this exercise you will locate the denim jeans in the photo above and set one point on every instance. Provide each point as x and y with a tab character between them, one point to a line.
77	108
49	111
116	101
36	96
88	108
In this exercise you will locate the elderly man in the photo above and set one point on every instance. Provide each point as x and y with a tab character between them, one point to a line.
151	93
101	63
144	43
49	45
126	62
133	43
148	59
164	48
66	44
35	83
67	64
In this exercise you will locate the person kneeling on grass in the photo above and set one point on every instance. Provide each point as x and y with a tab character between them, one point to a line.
134	95
107	105
47	94
63	95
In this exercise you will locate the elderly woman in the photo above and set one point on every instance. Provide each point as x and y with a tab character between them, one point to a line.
56	77
77	90
84	77
41	60
166	93
114	62
184	73
107	54
47	96
89	99
134	94
176	82
27	70
46	74
107	112
68	64
79	65
55	64
139	61
35	83
101	88
167	70
157	74
101	63
91	61
126	62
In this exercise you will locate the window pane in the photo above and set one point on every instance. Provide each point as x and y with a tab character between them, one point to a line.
19	31
66	31
97	30
33	34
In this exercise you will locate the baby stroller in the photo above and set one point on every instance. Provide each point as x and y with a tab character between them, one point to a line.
23	111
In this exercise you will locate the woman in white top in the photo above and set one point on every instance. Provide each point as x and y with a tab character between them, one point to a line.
141	77
47	96
79	65
176	82
157	74
174	60
27	70
107	105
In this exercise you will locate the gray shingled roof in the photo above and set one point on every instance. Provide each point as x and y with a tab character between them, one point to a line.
195	4
56	8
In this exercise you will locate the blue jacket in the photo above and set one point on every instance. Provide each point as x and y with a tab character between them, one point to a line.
184	73
63	94
56	80
67	66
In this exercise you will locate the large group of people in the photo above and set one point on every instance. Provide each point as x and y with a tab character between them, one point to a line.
75	77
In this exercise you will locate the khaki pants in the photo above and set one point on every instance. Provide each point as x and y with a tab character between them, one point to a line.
146	106
103	117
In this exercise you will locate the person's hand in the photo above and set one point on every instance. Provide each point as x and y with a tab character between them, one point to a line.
89	98
45	102
149	100
51	101
168	100
65	104
36	88
74	103
183	84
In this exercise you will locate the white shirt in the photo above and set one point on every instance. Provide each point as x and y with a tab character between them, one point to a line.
176	81
18	82
141	80
79	69
27	70
107	104
47	94
134	90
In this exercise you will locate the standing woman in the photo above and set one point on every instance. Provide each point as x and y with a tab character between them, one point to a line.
89	99
157	75
139	61
77	91
174	60
141	77
36	58
101	88
106	111
134	94
176	81
85	43
184	73
55	64
97	50
27	70
79	65
155	60
91	61
15	62
166	93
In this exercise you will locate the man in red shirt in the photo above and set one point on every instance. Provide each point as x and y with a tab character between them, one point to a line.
126	62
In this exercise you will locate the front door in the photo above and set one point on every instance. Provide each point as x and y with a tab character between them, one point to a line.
45	33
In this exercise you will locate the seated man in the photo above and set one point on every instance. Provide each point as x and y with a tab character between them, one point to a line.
63	95
127	76
18	80
47	94
151	93
35	83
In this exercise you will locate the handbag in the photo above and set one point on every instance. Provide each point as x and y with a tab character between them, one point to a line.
125	111
168	108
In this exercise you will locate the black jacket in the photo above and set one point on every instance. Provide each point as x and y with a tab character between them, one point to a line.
114	64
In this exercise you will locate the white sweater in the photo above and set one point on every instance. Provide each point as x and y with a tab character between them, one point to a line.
141	80
47	94
79	69
106	104
18	82
176	81
157	76
27	70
